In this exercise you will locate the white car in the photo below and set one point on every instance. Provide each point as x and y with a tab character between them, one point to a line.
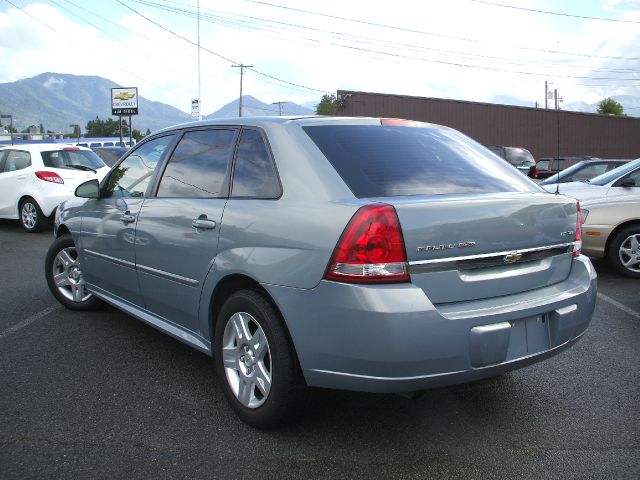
611	230
624	180
36	178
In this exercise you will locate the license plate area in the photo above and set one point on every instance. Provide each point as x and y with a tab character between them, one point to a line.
529	336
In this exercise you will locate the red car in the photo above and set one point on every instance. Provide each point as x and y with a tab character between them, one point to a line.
545	167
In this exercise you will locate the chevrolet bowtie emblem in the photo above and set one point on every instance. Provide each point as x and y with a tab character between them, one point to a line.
512	257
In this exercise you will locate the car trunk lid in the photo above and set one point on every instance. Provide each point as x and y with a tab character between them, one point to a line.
462	248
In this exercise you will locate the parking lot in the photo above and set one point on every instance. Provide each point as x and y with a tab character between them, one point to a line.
102	395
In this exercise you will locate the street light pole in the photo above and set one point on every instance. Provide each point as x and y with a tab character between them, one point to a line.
76	126
10	117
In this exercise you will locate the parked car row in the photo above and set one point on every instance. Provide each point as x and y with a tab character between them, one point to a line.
611	215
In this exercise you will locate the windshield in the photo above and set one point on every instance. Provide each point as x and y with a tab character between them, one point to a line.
615	173
72	159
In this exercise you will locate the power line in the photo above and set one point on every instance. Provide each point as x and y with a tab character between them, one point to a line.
228	22
232	23
215	53
559	14
422	32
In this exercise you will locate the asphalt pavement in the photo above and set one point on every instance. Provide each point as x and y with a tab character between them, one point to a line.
101	395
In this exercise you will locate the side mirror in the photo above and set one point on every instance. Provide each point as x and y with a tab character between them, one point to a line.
88	189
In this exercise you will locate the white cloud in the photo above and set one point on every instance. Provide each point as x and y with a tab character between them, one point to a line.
496	41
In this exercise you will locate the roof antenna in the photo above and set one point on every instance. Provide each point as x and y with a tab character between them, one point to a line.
558	146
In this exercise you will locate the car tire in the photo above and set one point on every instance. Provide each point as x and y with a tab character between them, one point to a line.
64	277
31	217
624	251
255	361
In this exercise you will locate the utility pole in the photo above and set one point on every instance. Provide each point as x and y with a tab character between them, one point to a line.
241	67
546	94
555	97
279	107
199	92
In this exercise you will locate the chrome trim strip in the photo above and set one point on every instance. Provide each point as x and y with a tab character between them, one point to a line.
489	255
189	282
110	259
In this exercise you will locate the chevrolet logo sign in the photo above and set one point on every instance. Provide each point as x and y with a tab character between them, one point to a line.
512	257
124	96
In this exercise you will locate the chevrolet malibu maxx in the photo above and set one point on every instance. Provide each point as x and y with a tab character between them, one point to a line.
361	254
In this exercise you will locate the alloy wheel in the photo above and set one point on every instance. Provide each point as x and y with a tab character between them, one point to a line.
67	276
629	253
247	360
29	215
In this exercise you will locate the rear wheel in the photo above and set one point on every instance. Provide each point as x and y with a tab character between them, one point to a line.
255	361
64	276
31	217
624	251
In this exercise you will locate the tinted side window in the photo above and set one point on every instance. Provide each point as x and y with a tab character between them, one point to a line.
378	161
198	166
16	160
134	173
542	164
254	174
589	171
3	154
517	156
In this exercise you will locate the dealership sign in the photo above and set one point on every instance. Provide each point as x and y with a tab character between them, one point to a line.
124	101
195	108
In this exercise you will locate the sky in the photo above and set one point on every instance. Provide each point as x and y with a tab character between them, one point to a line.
476	50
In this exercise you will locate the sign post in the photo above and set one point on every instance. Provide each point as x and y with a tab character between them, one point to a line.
124	101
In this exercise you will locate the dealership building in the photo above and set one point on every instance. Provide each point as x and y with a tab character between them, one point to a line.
545	132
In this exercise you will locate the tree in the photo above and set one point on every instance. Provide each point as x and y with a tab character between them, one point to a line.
327	106
137	134
105	128
609	106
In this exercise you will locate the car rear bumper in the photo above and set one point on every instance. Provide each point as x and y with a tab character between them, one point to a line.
391	338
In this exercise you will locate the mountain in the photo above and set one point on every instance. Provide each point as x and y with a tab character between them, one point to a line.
251	107
57	100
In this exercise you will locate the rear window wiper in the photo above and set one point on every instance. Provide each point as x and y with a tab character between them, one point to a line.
82	167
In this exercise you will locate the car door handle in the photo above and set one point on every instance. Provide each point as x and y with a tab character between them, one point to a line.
126	217
204	223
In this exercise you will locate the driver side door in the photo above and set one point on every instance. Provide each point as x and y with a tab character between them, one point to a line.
109	223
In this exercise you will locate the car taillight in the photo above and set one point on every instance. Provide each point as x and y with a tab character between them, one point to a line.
577	246
371	248
52	177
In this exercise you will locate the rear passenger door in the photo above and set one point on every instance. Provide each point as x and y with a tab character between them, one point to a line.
177	231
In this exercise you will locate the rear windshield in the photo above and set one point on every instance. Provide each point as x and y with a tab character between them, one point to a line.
73	159
384	161
519	156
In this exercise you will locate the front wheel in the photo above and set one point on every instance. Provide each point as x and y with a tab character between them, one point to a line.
64	276
255	361
624	251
